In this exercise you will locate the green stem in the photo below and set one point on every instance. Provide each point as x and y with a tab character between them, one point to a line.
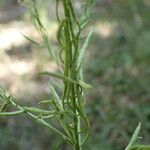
71	48
76	121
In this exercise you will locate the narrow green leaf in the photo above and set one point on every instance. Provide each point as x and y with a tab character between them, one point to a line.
45	102
47	116
134	137
85	45
59	76
31	40
85	85
84	22
56	97
37	110
48	126
12	113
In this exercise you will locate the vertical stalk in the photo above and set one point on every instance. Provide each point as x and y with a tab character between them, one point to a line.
70	67
76	122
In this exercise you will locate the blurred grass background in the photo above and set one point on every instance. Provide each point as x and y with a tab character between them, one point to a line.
117	66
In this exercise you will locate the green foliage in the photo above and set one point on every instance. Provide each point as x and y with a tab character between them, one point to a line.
134	137
67	109
118	67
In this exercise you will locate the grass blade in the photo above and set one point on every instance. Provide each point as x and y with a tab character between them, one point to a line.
134	137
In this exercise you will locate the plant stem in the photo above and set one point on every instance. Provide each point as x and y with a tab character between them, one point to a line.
76	123
71	53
